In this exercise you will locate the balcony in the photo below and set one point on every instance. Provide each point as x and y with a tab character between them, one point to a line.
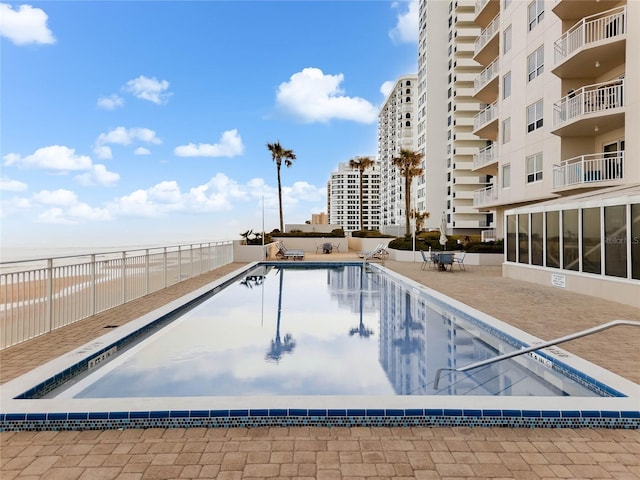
485	196
593	108
486	159
462	180
485	123
485	10
594	45
588	171
487	45
486	84
572	10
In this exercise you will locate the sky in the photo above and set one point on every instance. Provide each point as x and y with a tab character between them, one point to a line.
146	122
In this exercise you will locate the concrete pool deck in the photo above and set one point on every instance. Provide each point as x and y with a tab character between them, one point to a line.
545	312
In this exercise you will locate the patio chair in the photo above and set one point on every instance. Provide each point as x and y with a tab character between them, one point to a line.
459	260
445	259
286	254
427	260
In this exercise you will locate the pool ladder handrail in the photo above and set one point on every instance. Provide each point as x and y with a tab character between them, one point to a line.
566	338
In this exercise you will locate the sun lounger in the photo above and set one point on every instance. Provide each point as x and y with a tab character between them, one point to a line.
379	252
288	254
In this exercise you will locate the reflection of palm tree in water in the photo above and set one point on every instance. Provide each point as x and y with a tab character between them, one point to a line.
408	344
361	330
280	346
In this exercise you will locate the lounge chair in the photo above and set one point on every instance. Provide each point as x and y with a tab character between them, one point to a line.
379	252
458	259
286	254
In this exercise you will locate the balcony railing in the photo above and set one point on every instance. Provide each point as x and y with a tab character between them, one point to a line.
587	169
589	99
485	155
591	29
485	116
486	75
487	34
479	5
485	195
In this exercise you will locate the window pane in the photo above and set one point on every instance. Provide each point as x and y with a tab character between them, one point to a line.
635	241
506	176
536	238
553	239
570	240
591	240
511	238
615	241
523	238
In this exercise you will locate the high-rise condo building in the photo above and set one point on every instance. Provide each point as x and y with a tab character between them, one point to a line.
343	202
445	112
560	90
396	127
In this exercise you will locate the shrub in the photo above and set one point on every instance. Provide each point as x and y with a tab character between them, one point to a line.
370	234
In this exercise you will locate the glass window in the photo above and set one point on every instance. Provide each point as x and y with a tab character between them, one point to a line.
506	130
535	63
507	3
506	39
506	176
536	239
534	168
536	13
553	239
511	238
506	85
570	259
534	116
523	238
615	241
591	240
635	241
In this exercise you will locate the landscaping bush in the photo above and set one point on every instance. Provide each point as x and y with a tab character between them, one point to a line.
370	234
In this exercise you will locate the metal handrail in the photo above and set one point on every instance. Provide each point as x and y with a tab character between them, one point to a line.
566	338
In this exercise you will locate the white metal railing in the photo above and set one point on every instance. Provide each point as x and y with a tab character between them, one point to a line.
485	195
597	167
485	155
602	26
488	235
487	34
589	99
486	115
38	296
486	75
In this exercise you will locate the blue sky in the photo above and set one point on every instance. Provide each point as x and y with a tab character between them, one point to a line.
135	123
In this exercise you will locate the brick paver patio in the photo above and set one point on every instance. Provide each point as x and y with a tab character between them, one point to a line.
343	453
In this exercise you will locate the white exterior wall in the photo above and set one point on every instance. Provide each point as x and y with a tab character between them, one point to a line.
344	198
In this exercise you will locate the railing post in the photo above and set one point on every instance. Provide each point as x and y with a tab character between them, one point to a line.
147	273
179	263
164	265
92	293
191	259
123	270
49	309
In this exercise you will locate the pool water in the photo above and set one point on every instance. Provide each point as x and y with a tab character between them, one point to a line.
329	330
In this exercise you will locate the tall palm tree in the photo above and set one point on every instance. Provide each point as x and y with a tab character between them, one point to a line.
408	163
279	154
361	164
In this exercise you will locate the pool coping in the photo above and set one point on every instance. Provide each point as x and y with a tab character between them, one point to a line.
45	414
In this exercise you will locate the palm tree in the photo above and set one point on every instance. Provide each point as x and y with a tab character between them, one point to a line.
408	163
279	154
361	164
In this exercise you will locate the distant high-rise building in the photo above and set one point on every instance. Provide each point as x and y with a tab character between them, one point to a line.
396	127
343	199
445	117
319	218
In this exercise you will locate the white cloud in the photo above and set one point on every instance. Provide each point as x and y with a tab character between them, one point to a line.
406	29
25	25
8	185
149	89
111	102
99	175
124	136
66	208
60	197
142	151
230	145
103	152
386	88
54	157
313	96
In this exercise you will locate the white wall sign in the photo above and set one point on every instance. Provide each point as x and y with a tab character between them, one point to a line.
558	280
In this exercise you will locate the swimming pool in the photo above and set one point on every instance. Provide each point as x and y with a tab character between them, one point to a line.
319	344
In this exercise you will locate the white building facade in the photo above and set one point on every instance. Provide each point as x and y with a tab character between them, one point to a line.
396	127
343	196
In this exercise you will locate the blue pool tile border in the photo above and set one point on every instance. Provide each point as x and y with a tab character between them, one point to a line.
321	418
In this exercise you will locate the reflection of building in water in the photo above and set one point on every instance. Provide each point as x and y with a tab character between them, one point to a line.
418	336
348	283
